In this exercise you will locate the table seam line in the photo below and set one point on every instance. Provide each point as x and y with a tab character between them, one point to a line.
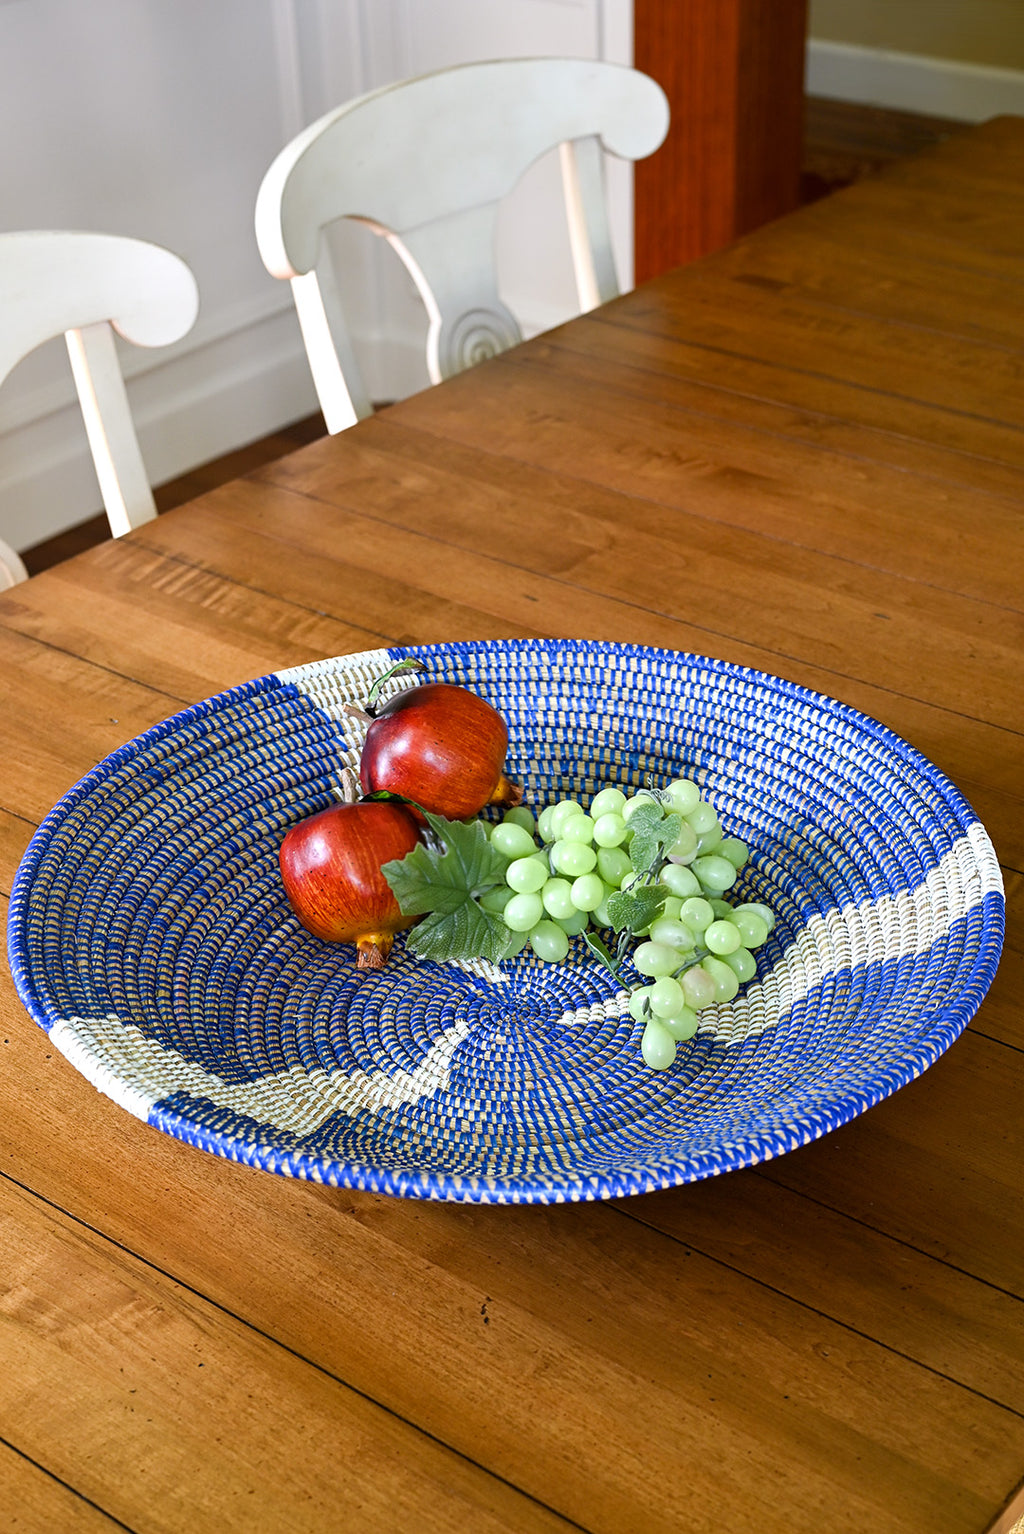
576	478
293	1352
60	1481
849	383
845	1326
632	604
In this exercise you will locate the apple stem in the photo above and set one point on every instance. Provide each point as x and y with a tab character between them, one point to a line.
355	712
347	791
408	664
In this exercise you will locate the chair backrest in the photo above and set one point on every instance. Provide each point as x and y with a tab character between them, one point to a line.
425	163
85	286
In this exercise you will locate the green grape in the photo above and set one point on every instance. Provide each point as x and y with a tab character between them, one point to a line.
632	805
698	988
751	925
556	897
655	959
683	795
517	944
573	858
640	1002
681	881
723	977
549	942
709	841
608	802
701	818
686	845
721	908
715	873
588	891
609	830
523	912
666	996
697	914
681	1025
544	830
560	813
525	875
577	828
599	915
673	933
497	899
736	851
613	865
742	963
657	1046
577	922
671	906
520	815
513	841
722	937
765	912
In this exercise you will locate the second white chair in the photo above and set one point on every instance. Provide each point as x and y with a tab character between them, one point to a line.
85	286
425	163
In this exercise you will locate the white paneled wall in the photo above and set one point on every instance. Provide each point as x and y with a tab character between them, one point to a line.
157	118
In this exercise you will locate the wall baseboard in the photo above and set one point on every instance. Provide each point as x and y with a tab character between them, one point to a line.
909	82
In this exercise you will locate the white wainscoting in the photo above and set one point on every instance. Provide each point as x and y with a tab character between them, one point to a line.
158	119
910	82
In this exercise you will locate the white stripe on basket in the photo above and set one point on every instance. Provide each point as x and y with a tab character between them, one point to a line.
892	927
134	1070
331	683
122	1062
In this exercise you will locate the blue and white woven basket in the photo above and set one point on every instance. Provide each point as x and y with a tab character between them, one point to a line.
149	935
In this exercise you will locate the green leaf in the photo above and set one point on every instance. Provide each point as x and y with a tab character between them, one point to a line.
418	886
425	880
469	932
602	953
651	838
632	910
646	816
444	886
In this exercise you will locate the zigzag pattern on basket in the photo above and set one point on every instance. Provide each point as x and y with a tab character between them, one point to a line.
124	1063
149	934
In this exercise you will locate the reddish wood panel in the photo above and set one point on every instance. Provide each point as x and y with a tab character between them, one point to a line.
733	71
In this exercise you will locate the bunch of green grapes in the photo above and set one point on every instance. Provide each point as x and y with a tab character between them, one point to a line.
689	945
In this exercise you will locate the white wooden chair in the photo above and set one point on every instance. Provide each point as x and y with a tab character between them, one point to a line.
425	163
85	286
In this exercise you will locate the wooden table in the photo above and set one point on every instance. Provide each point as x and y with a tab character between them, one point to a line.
803	454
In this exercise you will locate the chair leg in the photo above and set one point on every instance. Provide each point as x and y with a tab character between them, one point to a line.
124	483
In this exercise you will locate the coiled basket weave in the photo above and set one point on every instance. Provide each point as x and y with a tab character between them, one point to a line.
149	935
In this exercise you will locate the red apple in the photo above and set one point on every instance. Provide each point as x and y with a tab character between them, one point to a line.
331	869
441	746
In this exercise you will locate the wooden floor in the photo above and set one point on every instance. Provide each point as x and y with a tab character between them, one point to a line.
842	142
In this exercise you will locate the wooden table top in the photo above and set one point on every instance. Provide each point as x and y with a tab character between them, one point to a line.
803	454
